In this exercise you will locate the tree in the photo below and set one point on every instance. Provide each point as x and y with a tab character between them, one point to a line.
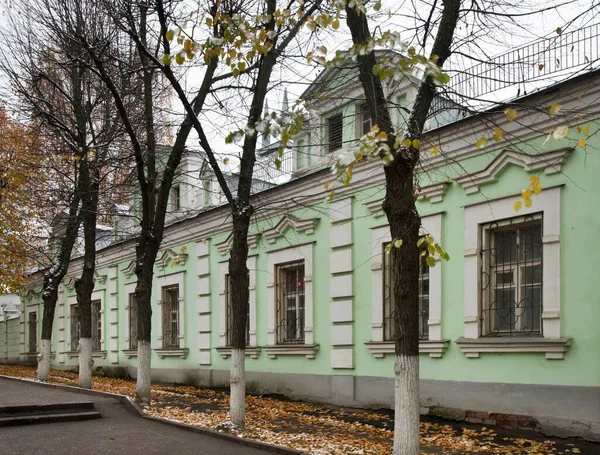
19	153
66	100
249	51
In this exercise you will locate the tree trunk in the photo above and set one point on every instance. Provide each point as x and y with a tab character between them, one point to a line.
146	254
240	294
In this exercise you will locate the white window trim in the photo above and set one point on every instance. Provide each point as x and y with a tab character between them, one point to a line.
251	350
33	309
297	253
128	289
435	345
96	295
161	282
551	343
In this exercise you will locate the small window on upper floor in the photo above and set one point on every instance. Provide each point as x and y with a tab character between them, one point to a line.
175	198
334	133
363	119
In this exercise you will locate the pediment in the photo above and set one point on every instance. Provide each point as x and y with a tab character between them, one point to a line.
549	162
226	245
170	256
289	221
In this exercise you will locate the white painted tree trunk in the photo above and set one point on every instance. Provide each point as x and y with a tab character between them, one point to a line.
85	363
43	369
406	405
237	399
143	383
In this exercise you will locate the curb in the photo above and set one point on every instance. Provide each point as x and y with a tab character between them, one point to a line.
136	409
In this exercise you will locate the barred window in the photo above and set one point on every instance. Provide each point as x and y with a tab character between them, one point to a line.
170	316
33	328
334	133
75	328
96	326
511	277
229	314
389	326
133	338
290	302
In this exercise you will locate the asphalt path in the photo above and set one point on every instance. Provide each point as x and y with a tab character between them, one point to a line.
119	431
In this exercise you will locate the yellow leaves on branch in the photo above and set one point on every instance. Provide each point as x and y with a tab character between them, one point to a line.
534	189
510	114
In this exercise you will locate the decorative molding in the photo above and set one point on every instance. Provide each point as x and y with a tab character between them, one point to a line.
170	256
70	283
129	353
31	294
129	270
226	245
435	193
435	348
251	351
95	354
550	162
308	350
554	348
172	352
298	225
99	278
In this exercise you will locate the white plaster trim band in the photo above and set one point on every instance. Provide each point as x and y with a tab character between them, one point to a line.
435	348
307	350
553	348
550	162
251	351
169	352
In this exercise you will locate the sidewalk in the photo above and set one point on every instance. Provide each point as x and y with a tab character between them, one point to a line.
119	431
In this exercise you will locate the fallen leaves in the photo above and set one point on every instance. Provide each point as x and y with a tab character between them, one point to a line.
315	429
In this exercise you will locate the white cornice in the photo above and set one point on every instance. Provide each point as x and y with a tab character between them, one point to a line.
298	225
550	162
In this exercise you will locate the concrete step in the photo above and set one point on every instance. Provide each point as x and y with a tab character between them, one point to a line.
13	410
32	414
34	419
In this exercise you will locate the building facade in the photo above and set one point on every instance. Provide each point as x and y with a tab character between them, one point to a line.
508	325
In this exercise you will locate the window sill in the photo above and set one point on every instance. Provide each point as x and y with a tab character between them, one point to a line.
554	348
129	353
172	352
435	348
308	350
251	351
95	354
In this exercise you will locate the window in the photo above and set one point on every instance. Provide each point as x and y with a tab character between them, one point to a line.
75	328
364	120
389	327
175	198
334	133
133	339
290	303
96	326
170	316
511	277
32	323
229	306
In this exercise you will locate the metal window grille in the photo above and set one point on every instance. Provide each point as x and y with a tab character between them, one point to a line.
133	339
290	302
389	325
170	313
96	326
75	328
33	332
334	133
229	314
511	277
